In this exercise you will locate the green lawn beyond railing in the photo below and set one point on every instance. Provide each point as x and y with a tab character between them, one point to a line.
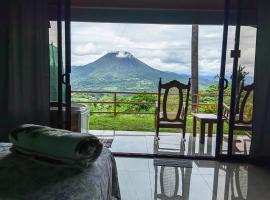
134	111
135	123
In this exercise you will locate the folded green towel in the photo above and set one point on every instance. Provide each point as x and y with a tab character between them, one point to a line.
75	149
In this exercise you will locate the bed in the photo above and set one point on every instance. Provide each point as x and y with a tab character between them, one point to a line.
22	178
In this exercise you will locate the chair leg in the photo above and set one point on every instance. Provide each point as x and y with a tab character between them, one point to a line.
184	134
157	132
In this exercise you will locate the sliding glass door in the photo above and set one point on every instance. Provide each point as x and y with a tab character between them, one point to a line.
236	85
92	46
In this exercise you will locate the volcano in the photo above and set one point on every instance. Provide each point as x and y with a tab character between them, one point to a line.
120	71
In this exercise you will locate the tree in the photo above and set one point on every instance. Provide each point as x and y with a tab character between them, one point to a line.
194	64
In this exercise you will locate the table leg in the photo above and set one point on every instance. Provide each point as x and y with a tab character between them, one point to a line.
194	126
202	137
210	129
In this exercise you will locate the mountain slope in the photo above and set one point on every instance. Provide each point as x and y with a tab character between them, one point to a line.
120	71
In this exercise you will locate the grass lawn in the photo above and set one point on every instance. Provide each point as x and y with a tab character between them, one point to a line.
135	123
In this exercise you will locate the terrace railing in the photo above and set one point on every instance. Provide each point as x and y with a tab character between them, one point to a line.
115	101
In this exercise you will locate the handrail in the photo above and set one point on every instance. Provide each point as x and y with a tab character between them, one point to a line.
126	92
110	92
115	102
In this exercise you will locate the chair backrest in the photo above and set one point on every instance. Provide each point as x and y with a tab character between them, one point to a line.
183	91
245	92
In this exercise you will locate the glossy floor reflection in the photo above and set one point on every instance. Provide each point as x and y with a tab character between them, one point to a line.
169	143
142	179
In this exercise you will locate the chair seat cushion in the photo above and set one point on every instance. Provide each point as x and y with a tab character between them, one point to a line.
168	124
243	127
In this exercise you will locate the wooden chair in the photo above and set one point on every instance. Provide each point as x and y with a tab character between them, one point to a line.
242	121
162	117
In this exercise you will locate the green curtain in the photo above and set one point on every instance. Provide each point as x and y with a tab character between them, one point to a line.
53	73
25	73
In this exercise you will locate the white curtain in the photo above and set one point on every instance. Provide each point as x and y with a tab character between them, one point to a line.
24	73
260	148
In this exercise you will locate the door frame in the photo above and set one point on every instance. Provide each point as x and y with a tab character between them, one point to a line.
219	134
59	65
63	16
68	63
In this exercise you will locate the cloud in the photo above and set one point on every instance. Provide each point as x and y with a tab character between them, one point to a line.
181	57
123	54
88	48
164	47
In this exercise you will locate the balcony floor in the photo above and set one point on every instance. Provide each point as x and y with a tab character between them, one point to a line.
169	143
143	179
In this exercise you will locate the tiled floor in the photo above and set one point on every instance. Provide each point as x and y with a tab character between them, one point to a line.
169	143
140	179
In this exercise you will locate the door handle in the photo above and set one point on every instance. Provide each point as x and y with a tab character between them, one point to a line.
226	83
225	80
63	78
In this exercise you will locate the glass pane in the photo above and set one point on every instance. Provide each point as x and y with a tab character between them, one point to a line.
242	138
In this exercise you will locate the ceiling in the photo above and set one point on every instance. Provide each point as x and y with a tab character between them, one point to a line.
159	4
157	11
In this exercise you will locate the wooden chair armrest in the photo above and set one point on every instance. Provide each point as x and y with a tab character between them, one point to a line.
156	114
226	110
156	108
226	107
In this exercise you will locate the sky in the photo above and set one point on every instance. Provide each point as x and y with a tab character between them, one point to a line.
164	47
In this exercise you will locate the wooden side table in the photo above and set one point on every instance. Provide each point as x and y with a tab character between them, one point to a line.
204	118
